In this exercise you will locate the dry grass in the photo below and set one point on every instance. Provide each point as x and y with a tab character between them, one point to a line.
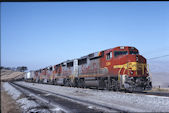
5	72
166	90
8	105
7	75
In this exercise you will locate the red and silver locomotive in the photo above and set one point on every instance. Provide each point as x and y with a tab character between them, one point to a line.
120	68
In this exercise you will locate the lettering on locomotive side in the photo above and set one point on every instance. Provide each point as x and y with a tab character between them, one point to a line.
108	63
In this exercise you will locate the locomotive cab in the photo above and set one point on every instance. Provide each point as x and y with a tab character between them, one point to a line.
129	67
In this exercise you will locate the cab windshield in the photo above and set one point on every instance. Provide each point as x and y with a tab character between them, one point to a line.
133	52
118	53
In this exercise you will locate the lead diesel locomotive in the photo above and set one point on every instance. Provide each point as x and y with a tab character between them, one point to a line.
119	68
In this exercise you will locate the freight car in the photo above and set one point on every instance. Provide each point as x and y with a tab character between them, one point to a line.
119	68
29	76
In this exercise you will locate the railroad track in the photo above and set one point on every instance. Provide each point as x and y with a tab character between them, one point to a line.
165	94
154	93
66	103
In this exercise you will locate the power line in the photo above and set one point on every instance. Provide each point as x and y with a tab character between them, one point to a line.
157	57
154	51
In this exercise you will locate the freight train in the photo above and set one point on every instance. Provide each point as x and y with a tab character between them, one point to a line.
119	68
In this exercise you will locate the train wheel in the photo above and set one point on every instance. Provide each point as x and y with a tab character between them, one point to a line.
55	81
108	85
102	84
117	86
65	82
81	83
130	89
75	82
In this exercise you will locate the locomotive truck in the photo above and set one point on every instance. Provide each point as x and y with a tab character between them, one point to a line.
119	68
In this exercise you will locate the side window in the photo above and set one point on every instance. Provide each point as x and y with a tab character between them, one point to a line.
116	53
134	52
82	61
70	64
102	53
50	68
63	64
108	56
55	67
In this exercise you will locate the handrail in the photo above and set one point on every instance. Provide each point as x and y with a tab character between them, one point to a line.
119	73
148	69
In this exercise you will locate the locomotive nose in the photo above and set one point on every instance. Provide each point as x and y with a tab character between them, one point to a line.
140	59
136	65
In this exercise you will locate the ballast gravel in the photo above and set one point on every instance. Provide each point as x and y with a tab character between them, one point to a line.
124	101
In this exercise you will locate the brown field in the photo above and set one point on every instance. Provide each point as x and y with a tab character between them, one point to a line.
8	105
166	90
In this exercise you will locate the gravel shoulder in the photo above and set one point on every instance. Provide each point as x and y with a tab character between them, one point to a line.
124	101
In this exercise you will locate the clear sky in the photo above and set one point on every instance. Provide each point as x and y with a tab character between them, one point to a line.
39	34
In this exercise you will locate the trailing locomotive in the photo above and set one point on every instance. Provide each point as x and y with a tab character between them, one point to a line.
120	68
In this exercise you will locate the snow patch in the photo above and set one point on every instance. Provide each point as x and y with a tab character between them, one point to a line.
56	109
38	111
90	107
11	90
26	104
